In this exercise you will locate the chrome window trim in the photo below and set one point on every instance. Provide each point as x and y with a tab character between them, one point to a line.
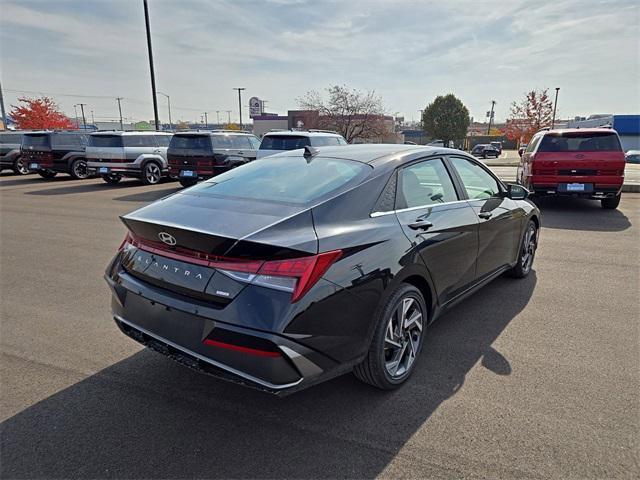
419	207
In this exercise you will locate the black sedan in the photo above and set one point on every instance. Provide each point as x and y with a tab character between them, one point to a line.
283	273
485	151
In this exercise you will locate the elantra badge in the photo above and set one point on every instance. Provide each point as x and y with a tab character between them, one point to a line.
167	238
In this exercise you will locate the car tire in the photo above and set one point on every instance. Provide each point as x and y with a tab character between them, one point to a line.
151	173
527	252
611	203
187	182
112	178
20	167
47	173
78	169
395	346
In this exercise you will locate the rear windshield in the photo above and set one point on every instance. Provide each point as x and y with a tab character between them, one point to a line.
283	142
41	140
292	180
580	142
10	138
190	142
105	141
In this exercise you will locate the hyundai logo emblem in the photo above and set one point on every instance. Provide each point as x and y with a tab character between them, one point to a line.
167	238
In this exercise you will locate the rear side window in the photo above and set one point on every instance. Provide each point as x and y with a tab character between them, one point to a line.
292	180
163	140
284	142
10	138
324	141
580	142
139	141
533	144
105	141
478	183
255	143
190	142
425	183
36	140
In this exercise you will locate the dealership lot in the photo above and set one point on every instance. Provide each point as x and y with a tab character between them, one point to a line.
529	378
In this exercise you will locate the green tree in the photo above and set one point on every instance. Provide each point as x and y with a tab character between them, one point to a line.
446	118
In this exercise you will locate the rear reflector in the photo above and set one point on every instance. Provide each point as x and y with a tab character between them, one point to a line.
237	348
295	275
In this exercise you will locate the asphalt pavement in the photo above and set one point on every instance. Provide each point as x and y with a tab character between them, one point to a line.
528	378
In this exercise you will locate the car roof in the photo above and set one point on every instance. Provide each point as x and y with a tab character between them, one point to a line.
378	154
301	133
202	133
128	132
561	131
43	132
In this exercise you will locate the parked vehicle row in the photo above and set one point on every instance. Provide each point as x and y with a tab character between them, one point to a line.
10	158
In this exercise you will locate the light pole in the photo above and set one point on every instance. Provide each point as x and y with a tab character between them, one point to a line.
555	104
4	114
153	75
169	106
93	120
217	118
84	120
120	110
493	104
240	89
76	112
206	119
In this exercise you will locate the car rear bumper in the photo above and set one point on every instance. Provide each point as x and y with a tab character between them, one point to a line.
593	187
199	173
125	169
264	360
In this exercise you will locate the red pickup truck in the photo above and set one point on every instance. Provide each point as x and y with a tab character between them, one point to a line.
585	162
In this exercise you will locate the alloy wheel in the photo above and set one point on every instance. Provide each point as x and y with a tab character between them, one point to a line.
21	167
80	169
403	337
528	248
152	173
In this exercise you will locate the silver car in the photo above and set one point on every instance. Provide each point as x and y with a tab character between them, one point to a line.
142	155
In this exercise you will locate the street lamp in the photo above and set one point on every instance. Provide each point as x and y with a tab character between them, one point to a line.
239	89
169	105
555	104
153	75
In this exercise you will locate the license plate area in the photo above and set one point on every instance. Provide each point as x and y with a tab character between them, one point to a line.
103	170
34	166
187	174
576	187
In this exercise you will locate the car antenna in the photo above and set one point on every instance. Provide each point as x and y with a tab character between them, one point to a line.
310	152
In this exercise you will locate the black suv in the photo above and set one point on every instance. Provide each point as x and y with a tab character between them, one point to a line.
51	152
10	158
200	155
485	151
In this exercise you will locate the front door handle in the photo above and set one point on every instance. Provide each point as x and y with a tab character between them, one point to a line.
240	153
420	224
485	215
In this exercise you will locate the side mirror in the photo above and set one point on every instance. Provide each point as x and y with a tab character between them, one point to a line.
516	192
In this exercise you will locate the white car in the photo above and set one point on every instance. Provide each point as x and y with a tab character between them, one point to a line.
282	141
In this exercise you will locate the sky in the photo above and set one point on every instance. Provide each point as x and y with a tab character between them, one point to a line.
91	51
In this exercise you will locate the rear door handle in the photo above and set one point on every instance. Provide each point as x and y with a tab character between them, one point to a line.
421	224
485	215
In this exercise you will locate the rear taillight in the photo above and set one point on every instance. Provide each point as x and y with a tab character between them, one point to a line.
295	275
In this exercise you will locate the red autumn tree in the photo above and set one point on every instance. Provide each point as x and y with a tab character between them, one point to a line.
529	116
38	114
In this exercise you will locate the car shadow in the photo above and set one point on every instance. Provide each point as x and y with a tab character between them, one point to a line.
90	187
149	196
580	214
146	417
33	180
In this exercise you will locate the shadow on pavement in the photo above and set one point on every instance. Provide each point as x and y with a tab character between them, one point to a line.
580	214
88	187
146	417
148	196
33	180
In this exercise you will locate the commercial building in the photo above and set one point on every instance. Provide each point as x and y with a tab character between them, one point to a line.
627	126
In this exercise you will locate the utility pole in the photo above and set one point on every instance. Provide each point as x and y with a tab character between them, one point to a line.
120	110
84	120
493	103
153	75
555	104
206	119
93	120
4	114
240	89
76	112
217	118
228	117
169	105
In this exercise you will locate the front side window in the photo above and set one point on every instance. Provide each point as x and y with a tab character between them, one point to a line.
478	183
425	183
